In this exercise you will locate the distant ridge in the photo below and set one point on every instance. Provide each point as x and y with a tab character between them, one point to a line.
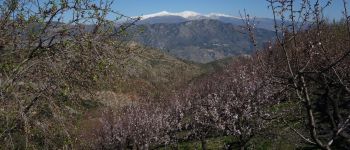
200	41
187	15
179	17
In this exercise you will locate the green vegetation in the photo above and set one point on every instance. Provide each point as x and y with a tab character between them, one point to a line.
78	84
200	41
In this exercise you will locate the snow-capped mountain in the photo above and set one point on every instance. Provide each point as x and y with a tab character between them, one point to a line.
185	14
198	37
190	15
199	41
170	17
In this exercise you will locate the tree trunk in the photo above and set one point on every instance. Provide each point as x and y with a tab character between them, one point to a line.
204	144
229	146
242	147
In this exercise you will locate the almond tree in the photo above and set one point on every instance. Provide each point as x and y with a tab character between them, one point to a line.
311	59
232	102
53	53
142	125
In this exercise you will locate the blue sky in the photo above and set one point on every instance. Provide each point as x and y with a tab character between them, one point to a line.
232	7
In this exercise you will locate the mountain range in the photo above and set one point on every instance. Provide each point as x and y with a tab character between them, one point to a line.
169	17
199	38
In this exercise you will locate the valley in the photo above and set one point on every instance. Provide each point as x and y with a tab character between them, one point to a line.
100	75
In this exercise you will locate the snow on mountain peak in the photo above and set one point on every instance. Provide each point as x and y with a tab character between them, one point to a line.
162	13
214	15
185	14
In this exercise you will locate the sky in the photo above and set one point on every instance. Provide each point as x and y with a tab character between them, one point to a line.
256	8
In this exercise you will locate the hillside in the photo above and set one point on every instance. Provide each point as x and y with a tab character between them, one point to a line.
74	75
149	72
199	40
170	17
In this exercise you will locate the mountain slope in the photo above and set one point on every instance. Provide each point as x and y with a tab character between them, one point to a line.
151	71
201	41
168	17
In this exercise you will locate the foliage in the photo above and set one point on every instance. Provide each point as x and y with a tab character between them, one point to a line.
53	67
52	55
298	83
